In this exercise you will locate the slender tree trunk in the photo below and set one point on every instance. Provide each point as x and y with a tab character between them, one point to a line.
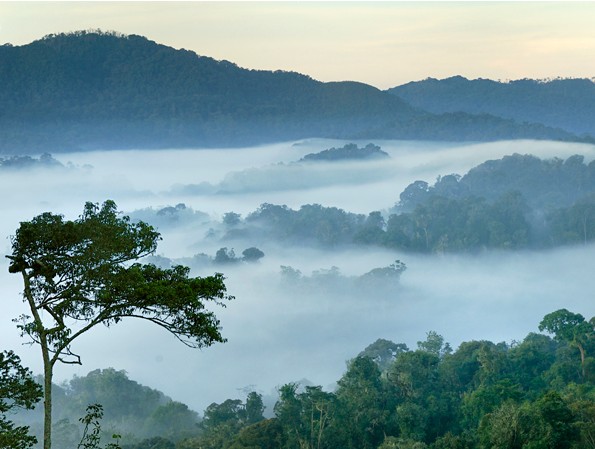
47	401
320	427
582	351
48	365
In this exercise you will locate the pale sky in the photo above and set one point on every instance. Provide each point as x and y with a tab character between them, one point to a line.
379	43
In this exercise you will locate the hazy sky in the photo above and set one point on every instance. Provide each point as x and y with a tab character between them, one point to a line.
379	43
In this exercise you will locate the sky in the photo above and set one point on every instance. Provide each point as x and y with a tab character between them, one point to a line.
383	44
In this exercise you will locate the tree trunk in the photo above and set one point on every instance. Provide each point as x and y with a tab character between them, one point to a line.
47	397
48	364
582	351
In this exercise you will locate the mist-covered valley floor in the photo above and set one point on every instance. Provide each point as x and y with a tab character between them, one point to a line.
278	331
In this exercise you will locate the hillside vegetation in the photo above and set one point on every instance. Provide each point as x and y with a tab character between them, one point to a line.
517	202
534	393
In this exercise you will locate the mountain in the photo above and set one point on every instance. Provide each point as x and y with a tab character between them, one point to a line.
93	90
561	103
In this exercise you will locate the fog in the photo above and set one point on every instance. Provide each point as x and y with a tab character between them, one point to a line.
276	333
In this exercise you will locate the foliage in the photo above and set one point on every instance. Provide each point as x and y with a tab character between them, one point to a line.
152	443
266	434
252	254
434	344
17	389
312	223
227	256
91	433
349	151
231	218
383	352
573	329
517	202
232	421
136	412
85	271
75	270
170	216
26	162
482	395
385	281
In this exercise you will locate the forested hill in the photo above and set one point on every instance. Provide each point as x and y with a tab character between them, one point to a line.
563	103
88	90
536	393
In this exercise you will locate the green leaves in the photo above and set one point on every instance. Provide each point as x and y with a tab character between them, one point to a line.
78	274
81	270
565	325
17	389
92	431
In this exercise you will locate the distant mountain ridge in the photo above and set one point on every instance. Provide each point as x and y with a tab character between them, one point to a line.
94	90
562	103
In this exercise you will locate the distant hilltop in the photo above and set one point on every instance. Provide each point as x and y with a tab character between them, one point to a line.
95	90
562	103
349	151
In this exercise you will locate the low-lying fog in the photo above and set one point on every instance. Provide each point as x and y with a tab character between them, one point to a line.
278	334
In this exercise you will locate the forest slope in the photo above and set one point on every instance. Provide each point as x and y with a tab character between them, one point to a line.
537	392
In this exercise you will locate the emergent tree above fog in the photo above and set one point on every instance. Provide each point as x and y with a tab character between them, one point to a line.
78	274
571	328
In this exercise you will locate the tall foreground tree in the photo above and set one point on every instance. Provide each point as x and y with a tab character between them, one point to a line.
82	273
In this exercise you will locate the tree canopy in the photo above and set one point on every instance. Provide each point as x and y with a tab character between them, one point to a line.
86	272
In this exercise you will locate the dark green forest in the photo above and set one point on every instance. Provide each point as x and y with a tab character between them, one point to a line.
537	393
91	89
534	393
517	202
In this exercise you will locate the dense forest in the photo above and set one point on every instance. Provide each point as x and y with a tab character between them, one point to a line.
91	89
517	202
534	393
